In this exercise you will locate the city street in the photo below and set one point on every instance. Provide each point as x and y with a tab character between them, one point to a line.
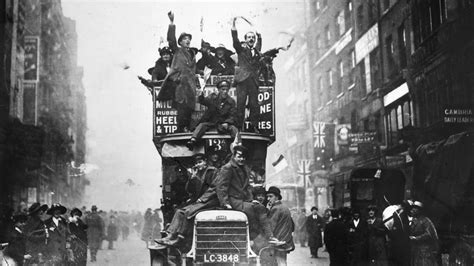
133	252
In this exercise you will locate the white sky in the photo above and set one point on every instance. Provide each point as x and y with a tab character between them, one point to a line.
112	34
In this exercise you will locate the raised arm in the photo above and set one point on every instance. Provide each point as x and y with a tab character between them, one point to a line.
258	47
235	37
171	35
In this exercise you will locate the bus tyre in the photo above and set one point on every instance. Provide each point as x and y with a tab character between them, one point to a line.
460	255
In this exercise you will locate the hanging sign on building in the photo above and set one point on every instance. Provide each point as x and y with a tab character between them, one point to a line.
367	43
31	64
343	131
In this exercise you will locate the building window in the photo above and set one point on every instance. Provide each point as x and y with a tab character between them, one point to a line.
353	59
330	77
319	46
341	69
402	43
348	16
372	12
328	35
360	20
398	116
340	22
389	52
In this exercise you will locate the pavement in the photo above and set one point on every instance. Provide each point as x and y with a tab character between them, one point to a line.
134	252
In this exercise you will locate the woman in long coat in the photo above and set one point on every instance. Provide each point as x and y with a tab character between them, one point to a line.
314	227
180	83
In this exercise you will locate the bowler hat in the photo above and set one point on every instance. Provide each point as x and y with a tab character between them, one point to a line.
184	34
275	191
94	208
55	207
76	211
36	207
372	208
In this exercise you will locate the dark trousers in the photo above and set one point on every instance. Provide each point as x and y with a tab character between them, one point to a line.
184	116
205	126
248	87
314	251
258	219
179	224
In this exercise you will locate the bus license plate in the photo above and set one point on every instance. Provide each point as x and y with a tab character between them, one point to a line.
218	258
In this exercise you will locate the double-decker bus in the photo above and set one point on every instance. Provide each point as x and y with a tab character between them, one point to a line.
219	236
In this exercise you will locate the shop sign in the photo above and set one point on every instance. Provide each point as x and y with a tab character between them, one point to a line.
31	64
343	132
458	115
368	42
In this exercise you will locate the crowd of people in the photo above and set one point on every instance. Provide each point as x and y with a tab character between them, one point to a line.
54	235
351	239
177	71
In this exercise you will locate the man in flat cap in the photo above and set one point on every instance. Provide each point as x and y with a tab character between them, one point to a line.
234	192
423	237
203	196
95	232
180	82
220	114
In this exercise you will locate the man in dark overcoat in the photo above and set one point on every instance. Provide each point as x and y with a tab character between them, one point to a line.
58	235
17	240
112	232
95	232
246	75
203	187
220	113
376	233
234	192
335	239
180	82
357	239
79	241
282	225
314	227
35	231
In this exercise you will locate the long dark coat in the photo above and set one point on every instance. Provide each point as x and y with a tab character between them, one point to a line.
233	185
376	233
79	242
35	231
58	235
425	245
247	66
219	110
357	242
16	245
182	73
207	196
95	232
335	238
314	228
112	232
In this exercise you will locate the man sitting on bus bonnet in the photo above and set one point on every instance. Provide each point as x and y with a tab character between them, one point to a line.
220	113
205	198
235	192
